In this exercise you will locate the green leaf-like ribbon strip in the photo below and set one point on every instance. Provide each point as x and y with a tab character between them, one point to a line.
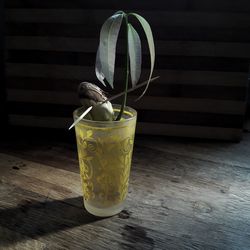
134	50
106	53
149	36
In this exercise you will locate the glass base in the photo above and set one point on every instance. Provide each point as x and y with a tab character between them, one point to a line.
104	212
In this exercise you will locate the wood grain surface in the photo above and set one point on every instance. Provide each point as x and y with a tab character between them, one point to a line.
183	194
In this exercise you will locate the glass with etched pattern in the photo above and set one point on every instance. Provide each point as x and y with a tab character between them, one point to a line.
105	153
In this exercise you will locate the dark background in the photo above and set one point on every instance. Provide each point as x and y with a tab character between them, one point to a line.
202	57
3	111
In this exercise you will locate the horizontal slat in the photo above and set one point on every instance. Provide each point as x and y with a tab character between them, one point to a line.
34	83
181	48
50	71
144	115
52	43
189	131
144	128
148	102
39	96
159	18
191	118
162	62
83	73
156	89
160	33
36	121
212	5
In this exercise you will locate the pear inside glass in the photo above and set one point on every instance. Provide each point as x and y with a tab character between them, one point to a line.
105	153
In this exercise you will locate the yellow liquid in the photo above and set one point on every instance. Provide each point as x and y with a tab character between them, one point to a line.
105	158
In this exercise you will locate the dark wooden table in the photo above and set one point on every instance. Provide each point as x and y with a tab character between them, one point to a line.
183	194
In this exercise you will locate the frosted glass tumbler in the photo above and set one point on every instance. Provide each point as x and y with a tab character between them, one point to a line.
105	151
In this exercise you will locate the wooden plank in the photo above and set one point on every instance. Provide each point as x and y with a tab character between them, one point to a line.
231	154
219	133
161	33
83	73
183	5
163	18
53	221
50	174
65	158
179	168
148	102
24	244
89	45
35	184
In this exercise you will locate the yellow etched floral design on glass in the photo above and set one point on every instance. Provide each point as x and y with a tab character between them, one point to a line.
105	158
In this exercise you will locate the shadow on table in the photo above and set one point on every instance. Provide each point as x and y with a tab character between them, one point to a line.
32	219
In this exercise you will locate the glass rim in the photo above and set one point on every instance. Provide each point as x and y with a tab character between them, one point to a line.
115	106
